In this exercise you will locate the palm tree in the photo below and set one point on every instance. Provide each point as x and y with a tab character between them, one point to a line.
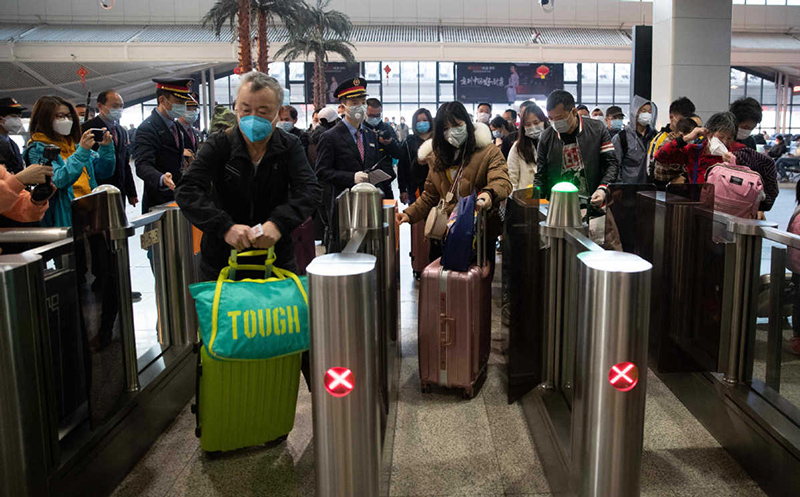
318	33
266	12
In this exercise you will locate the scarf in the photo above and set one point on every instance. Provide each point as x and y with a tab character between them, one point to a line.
81	187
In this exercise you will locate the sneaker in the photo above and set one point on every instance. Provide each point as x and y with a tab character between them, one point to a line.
795	344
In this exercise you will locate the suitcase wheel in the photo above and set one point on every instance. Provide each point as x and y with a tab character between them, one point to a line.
426	388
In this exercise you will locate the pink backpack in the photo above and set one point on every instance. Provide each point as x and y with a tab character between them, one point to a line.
738	190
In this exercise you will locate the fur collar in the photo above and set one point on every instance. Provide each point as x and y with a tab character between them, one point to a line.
483	137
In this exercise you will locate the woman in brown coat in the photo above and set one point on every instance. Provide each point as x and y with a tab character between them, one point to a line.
456	142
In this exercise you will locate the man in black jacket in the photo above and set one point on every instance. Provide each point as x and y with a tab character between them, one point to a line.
159	145
288	121
250	186
388	144
110	105
349	149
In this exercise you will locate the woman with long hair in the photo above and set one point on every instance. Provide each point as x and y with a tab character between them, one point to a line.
76	170
462	153
522	157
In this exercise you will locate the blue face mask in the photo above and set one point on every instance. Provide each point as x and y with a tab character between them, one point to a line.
423	127
616	124
373	121
177	111
191	116
255	128
286	125
115	114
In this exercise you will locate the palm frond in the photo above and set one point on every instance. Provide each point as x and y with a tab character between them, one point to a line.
341	47
223	11
338	23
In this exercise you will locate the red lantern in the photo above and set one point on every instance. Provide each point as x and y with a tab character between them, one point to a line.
542	71
387	70
82	72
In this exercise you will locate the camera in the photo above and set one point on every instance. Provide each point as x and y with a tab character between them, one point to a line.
98	134
385	134
42	192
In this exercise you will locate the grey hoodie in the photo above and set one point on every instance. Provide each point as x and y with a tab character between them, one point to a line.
633	160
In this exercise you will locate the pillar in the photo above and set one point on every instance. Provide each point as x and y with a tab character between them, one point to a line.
692	54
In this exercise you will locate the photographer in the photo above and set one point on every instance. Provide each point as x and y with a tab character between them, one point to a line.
77	168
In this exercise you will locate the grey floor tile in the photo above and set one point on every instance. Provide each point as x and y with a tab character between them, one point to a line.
721	491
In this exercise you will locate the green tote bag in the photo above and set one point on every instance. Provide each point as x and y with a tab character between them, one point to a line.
251	320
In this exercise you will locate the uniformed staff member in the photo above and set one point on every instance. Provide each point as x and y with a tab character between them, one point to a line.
10	123
387	139
159	145
191	137
347	151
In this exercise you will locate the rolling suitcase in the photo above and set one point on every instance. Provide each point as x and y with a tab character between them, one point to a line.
245	403
420	249
455	323
304	247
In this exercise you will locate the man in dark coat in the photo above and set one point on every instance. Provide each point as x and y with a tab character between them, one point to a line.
159	145
387	141
288	121
349	150
228	190
110	105
10	123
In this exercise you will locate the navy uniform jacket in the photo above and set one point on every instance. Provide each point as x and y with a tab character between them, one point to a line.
155	153
192	145
123	176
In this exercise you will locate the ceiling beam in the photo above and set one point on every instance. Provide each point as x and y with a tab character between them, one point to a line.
45	81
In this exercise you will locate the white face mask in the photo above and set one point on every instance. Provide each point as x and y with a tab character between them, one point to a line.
599	118
456	136
63	126
561	126
534	131
644	118
716	147
14	125
482	117
356	112
742	134
496	134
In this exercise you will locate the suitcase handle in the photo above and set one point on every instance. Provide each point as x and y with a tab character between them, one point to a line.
445	336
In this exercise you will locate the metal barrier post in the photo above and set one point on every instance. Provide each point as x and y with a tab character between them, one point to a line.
344	319
174	265
611	373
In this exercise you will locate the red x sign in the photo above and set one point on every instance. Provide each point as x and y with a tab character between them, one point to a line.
339	381
624	376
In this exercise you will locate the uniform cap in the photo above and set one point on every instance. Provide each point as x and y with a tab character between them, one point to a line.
356	87
180	87
10	106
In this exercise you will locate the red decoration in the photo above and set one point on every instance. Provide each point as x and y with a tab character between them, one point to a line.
82	72
387	70
542	71
237	70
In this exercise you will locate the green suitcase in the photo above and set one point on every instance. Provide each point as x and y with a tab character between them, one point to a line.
245	403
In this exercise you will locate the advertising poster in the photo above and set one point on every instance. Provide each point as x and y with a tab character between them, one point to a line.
335	74
478	82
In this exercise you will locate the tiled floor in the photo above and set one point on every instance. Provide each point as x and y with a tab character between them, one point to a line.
444	446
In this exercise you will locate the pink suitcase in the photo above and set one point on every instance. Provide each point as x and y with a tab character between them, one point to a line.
304	247
455	326
420	249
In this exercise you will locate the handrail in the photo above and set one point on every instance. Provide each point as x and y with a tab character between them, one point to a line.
34	235
780	236
576	237
742	226
146	219
46	251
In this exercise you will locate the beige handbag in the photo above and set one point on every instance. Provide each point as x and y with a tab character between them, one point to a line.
436	224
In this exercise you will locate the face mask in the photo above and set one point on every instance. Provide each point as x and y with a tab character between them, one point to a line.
599	118
14	125
482	117
561	126
115	114
644	118
177	111
373	121
286	125
534	131
456	136
356	112
191	116
742	134
423	127
63	126
496	134
255	128
716	147
616	124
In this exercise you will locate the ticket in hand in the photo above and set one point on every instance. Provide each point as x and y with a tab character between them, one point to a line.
257	230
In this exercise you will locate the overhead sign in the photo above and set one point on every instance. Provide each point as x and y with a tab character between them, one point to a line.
339	382
335	74
623	376
478	82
